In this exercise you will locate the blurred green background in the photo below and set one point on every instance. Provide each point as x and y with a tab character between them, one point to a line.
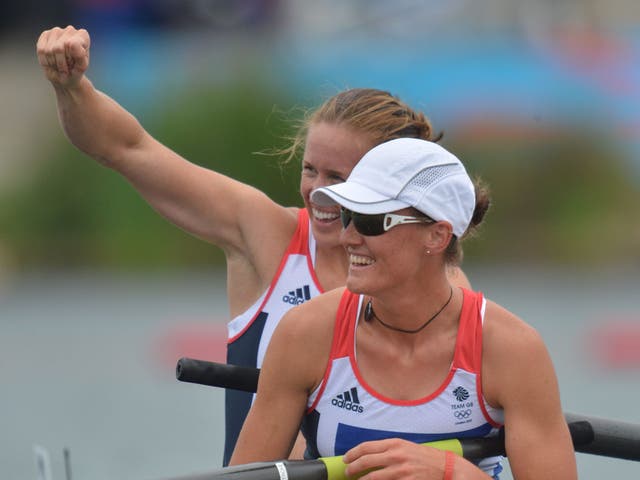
565	196
72	212
541	101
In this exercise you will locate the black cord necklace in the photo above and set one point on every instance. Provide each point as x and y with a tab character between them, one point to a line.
369	314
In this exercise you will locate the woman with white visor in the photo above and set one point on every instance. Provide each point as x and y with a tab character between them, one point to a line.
400	356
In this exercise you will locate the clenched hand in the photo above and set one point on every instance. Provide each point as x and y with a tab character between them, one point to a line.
63	54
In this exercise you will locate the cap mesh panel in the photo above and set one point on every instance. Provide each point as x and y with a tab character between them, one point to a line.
429	176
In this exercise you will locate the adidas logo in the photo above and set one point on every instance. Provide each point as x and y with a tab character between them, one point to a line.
297	296
348	400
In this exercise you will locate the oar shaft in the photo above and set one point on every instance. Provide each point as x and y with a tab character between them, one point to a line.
333	468
611	438
282	470
329	468
593	435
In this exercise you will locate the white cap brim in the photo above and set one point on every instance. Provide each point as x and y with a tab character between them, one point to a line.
357	198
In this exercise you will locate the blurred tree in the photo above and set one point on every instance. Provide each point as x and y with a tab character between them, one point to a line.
561	196
75	213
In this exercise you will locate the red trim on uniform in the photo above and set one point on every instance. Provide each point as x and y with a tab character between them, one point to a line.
340	333
266	298
395	401
465	355
483	408
478	361
345	331
351	318
304	222
299	242
298	245
323	385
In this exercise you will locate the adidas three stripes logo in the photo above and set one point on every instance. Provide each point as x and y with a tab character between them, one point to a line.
348	400
297	296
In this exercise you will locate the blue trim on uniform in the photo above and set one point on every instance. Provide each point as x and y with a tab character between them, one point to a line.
244	352
348	436
309	429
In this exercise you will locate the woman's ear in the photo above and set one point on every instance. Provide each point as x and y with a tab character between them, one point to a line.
438	237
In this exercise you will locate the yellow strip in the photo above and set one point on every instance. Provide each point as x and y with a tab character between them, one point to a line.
335	465
335	468
452	445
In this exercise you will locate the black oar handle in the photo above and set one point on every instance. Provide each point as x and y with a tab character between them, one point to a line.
597	436
582	434
217	374
611	438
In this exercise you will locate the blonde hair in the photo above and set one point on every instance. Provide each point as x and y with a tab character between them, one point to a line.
381	117
377	114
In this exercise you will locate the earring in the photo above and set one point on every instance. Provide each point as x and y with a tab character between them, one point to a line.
428	252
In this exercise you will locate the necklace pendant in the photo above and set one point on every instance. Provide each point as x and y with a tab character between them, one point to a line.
368	311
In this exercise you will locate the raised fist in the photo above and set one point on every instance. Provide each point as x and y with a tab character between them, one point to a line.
63	54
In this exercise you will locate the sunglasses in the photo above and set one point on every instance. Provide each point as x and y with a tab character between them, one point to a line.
377	224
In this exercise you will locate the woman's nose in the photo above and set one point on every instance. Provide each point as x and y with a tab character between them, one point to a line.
350	236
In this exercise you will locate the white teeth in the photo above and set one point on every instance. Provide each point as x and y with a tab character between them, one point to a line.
324	215
358	260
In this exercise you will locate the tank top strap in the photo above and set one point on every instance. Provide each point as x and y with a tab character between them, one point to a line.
342	344
468	354
344	331
299	243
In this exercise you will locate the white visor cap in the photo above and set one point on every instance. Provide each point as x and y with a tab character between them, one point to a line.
406	172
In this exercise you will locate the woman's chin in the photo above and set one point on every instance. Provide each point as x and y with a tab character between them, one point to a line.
326	233
354	285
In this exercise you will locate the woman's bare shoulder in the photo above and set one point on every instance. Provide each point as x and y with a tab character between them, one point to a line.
305	335
501	325
511	348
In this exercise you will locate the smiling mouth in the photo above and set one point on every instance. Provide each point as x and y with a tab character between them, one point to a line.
325	216
359	260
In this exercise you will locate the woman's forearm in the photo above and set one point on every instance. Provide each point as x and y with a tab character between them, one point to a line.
96	124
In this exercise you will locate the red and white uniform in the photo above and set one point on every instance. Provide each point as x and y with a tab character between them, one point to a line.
345	411
250	332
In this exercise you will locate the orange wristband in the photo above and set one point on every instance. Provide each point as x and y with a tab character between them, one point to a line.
449	460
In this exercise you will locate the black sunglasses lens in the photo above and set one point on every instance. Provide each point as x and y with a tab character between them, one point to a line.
345	217
369	225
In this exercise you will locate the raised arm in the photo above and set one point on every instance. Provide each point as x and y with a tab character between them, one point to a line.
205	203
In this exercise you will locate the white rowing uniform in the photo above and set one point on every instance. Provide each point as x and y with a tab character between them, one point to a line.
294	283
345	411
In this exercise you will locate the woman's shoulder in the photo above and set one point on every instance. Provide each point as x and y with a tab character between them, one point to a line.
511	348
268	229
305	333
501	323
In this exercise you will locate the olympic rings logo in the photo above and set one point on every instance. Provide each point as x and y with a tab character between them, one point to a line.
462	414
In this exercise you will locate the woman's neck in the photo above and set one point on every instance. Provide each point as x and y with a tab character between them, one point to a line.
410	307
